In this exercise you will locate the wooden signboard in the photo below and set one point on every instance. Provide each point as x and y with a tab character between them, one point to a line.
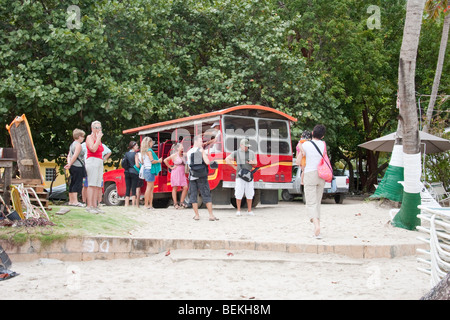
22	141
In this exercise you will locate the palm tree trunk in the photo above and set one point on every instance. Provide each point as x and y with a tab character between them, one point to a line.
407	216
441	291
389	187
437	76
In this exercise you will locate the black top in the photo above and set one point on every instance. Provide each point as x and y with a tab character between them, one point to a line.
131	162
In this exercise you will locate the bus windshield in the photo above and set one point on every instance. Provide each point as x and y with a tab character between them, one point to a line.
266	136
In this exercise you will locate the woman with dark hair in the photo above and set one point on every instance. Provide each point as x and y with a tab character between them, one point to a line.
313	183
131	175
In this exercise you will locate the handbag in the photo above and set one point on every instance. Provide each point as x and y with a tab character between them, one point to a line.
324	168
141	167
246	175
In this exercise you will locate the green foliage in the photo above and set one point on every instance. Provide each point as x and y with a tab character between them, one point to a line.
437	164
358	67
135	62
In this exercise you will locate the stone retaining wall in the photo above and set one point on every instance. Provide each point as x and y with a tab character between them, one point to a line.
105	248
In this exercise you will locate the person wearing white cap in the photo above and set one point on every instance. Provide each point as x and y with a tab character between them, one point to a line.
245	159
215	142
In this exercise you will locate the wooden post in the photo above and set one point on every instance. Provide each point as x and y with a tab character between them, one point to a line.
8	156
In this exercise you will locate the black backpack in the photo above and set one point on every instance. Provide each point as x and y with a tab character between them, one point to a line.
197	165
125	163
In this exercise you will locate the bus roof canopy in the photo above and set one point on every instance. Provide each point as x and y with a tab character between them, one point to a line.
245	110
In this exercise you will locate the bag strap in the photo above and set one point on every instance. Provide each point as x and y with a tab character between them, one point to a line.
80	160
255	169
322	154
192	162
318	150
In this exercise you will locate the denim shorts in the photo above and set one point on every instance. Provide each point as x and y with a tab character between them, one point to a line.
148	175
199	185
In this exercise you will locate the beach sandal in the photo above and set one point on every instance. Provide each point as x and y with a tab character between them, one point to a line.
196	218
214	219
183	205
79	204
176	206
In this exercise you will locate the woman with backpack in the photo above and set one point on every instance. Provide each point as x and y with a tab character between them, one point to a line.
129	162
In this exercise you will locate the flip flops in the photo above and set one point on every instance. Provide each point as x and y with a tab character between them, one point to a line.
79	204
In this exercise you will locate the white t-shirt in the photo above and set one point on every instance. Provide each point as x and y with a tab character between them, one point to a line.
147	164
313	156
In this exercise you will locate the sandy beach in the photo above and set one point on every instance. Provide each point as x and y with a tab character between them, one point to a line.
240	274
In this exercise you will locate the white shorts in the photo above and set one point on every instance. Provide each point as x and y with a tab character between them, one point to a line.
244	188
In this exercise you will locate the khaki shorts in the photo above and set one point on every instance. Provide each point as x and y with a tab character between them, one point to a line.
313	193
94	171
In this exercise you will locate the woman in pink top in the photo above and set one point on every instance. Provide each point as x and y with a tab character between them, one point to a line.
178	176
94	165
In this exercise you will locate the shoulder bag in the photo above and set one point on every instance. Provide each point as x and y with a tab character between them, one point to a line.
324	168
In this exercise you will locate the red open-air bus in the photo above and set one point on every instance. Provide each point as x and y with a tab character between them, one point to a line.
267	129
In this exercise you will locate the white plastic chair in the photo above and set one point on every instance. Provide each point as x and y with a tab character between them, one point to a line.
426	197
437	258
439	193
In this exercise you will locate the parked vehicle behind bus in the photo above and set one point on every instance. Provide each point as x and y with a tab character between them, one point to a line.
342	188
267	129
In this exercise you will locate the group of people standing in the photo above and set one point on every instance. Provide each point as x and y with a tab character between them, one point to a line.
197	162
144	159
85	165
140	163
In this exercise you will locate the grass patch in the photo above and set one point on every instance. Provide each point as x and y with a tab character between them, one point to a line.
76	223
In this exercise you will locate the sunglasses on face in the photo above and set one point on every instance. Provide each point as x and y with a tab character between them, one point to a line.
97	127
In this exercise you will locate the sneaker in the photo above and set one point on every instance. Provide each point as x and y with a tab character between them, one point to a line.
238	213
98	210
250	213
91	210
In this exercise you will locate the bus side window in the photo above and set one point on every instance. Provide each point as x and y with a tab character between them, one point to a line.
233	144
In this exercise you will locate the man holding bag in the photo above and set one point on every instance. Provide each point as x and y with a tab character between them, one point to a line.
245	160
314	184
